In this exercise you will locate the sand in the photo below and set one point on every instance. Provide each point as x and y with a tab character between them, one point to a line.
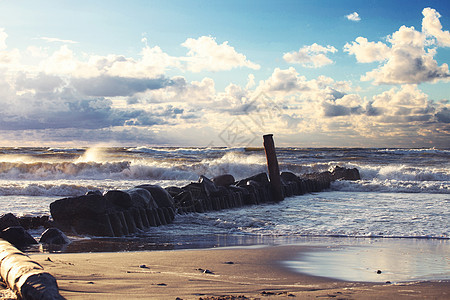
223	273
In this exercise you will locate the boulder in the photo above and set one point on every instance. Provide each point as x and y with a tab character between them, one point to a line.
141	198
8	220
18	236
54	236
34	222
82	215
345	173
119	198
289	177
224	180
174	190
260	178
160	195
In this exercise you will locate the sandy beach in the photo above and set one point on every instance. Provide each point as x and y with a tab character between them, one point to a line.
225	273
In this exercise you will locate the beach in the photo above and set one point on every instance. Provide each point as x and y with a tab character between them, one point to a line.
384	236
251	272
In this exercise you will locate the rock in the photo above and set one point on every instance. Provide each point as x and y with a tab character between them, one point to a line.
289	177
29	222
119	198
223	180
18	236
54	236
208	187
260	178
160	195
174	190
345	173
8	220
141	198
96	192
67	211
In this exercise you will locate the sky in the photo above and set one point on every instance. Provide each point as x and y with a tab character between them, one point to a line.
323	73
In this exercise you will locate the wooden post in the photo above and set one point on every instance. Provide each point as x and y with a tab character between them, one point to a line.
272	166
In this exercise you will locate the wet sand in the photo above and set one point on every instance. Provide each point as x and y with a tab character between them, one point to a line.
252	273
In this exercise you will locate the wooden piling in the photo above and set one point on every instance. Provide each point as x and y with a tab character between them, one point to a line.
274	170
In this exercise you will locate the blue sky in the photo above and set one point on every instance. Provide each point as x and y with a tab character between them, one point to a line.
223	73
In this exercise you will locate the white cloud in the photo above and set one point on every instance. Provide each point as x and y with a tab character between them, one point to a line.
312	56
251	81
409	59
367	52
3	36
354	16
404	105
432	26
205	54
56	40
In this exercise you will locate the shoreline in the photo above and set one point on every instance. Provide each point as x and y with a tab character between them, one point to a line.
255	272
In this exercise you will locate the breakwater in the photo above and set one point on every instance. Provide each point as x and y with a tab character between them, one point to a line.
119	213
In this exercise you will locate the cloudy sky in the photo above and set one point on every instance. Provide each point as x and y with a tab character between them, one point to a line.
223	73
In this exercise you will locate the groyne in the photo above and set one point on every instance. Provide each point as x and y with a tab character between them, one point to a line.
119	213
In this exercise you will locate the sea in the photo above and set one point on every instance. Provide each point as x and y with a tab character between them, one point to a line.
403	194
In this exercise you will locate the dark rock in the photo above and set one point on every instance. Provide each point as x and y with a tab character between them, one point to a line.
224	180
68	211
18	236
208	186
289	177
8	220
54	236
96	192
160	195
119	198
174	190
260	178
29	222
141	198
345	174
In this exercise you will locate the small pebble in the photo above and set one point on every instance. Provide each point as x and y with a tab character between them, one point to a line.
229	263
143	267
379	272
48	259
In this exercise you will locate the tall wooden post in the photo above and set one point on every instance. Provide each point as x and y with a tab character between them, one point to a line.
272	166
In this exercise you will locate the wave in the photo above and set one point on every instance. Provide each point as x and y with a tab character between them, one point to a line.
184	151
414	151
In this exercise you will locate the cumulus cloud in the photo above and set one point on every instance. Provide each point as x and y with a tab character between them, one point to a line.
312	56
404	105
56	40
3	36
432	26
409	58
109	86
367	52
205	54
354	16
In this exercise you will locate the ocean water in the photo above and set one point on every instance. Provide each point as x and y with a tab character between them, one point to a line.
403	193
395	219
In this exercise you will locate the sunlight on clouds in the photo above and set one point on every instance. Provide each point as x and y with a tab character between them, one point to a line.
205	54
354	16
312	56
408	60
367	52
3	37
59	95
432	26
